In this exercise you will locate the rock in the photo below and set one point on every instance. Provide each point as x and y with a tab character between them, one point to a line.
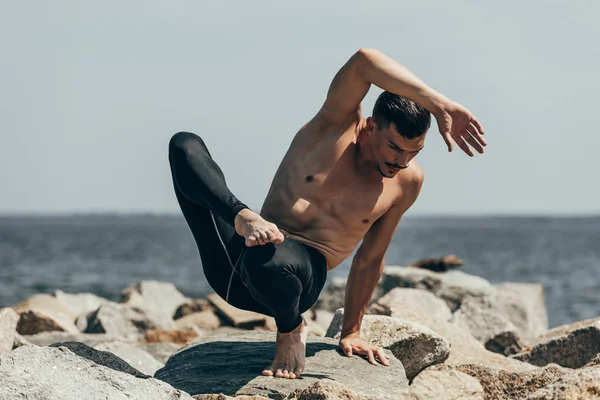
192	306
445	385
580	384
504	385
180	337
332	297
133	355
415	345
489	328
323	318
119	320
571	346
80	303
327	390
160	351
237	317
221	396
48	338
8	329
158	300
100	357
438	264
41	313
21	341
595	361
524	306
452	286
49	373
231	364
406	302
206	319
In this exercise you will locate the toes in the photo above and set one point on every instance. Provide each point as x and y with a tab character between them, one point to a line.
279	373
267	372
286	374
297	372
292	375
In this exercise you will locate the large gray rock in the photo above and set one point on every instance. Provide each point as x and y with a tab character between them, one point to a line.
235	316
49	373
119	320
158	300
332	297
522	304
581	384
489	327
444	385
402	302
48	338
415	345
160	351
8	329
452	286
232	363
41	313
133	355
571	346
206	319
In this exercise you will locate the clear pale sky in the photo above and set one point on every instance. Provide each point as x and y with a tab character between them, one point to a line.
93	91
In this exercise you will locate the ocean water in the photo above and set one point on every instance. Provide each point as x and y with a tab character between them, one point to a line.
103	254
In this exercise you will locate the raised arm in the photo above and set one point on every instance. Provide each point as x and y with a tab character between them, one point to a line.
369	66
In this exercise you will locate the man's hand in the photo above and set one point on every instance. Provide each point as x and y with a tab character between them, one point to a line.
353	344
456	122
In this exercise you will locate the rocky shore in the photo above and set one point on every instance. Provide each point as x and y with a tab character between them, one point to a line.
448	334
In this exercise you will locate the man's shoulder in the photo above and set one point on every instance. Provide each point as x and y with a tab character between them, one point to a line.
410	182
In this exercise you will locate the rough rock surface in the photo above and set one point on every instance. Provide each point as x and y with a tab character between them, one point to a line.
160	351
235	316
445	385
49	373
8	329
415	345
231	364
48	338
523	304
571	346
41	313
489	327
133	355
119	320
451	286
580	384
100	357
158	300
401	302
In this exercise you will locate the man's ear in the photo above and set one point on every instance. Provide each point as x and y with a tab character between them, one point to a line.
371	124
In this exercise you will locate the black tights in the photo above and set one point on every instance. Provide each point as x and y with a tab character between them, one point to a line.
280	280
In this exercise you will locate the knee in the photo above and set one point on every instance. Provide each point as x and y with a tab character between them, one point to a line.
263	269
184	142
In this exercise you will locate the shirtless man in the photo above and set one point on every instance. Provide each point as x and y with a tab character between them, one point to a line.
344	178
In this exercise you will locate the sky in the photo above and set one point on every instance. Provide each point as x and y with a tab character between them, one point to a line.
93	91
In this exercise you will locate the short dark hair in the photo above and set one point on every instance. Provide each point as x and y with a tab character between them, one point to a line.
411	119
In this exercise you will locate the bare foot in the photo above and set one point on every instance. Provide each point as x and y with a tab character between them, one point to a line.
256	229
290	353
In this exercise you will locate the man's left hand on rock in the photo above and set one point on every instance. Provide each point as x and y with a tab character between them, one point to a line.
353	344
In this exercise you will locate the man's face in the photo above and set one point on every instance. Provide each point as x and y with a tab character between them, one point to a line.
393	152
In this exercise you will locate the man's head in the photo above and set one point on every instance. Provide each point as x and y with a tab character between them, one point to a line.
398	127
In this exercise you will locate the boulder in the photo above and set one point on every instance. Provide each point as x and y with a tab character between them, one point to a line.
158	300
8	329
332	297
444	385
160	351
176	336
119	320
231	364
580	384
452	286
133	355
80	303
571	346
192	306
403	302
415	345
21	341
322	318
50	373
206	319
488	327
48	338
522	304
438	264
41	313
235	316
595	361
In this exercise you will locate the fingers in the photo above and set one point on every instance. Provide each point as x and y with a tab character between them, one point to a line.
474	143
371	357
448	140
463	146
380	353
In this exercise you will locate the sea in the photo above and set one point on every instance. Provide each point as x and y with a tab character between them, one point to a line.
105	253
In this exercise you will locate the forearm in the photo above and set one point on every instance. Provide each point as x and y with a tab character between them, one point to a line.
361	282
383	71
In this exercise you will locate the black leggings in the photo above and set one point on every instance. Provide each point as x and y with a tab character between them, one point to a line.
280	280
